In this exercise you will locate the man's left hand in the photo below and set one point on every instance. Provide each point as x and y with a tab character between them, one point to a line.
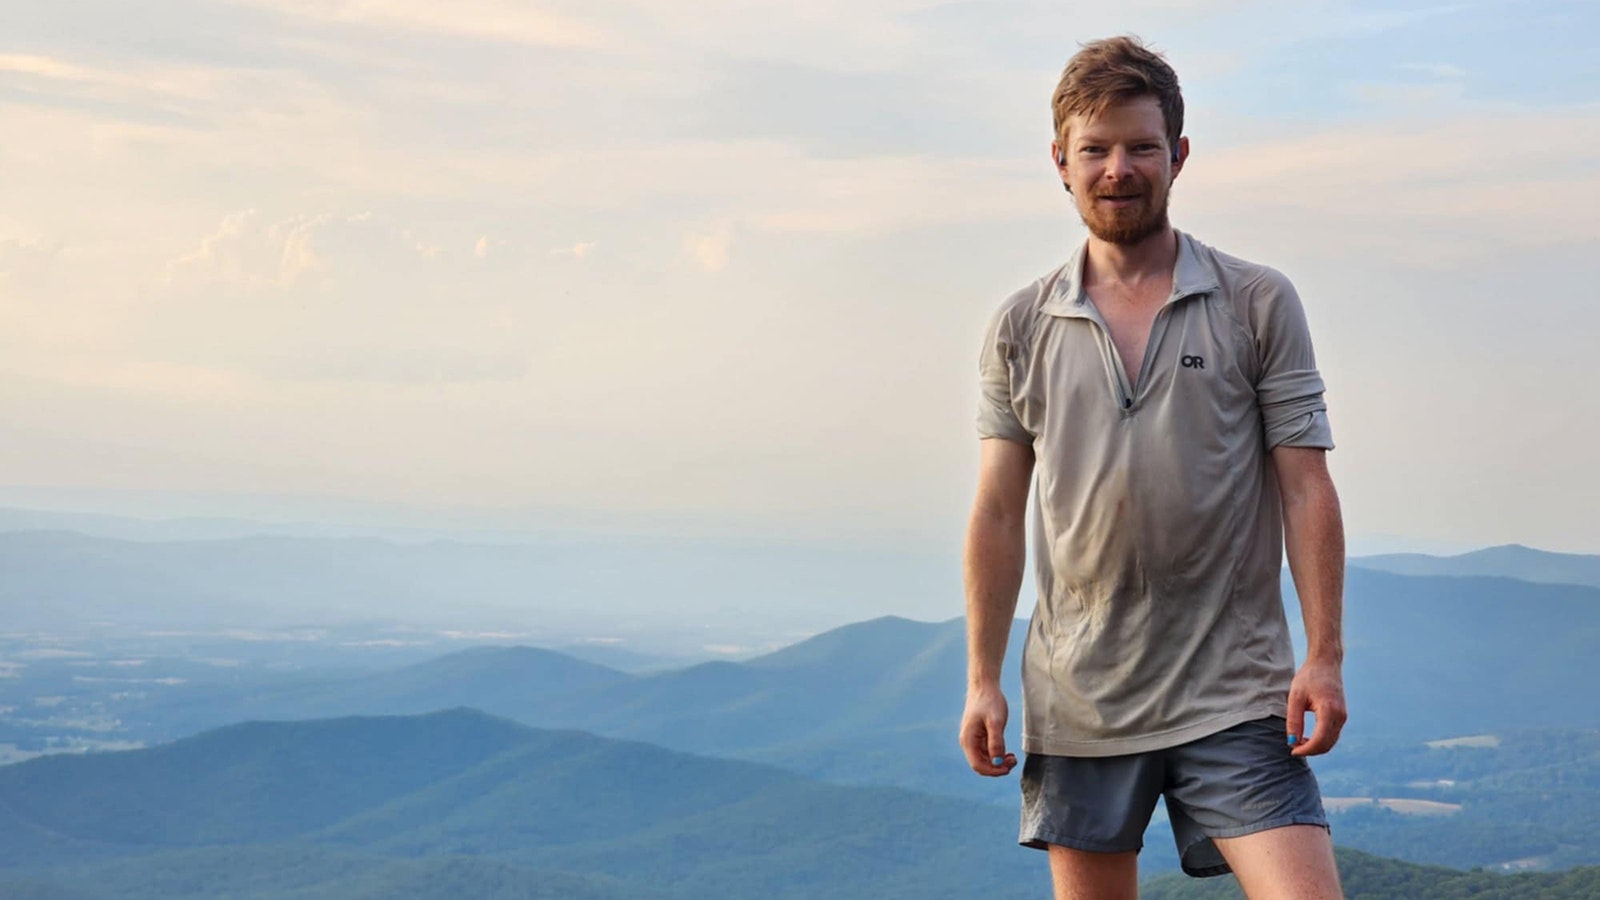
1318	688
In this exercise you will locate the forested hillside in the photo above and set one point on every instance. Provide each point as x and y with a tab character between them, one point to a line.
1528	797
1368	877
460	804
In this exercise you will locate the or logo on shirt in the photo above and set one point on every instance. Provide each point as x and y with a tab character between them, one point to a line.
1194	362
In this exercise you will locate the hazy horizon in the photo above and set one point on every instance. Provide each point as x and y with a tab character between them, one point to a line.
157	513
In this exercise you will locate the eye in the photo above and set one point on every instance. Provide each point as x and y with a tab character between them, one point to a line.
1091	150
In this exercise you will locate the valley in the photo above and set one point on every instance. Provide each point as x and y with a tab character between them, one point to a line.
1441	765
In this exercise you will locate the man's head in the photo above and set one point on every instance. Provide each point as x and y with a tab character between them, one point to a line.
1119	124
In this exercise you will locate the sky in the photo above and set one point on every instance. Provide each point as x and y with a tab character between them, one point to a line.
723	267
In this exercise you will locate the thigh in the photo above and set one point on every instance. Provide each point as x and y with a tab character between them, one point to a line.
1294	862
1081	875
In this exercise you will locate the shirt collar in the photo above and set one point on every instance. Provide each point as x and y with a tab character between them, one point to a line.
1189	277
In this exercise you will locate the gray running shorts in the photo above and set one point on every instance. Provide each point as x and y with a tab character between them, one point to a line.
1228	784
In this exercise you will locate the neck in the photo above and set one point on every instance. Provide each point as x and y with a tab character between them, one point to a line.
1153	257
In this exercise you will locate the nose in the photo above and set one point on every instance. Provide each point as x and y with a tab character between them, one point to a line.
1118	163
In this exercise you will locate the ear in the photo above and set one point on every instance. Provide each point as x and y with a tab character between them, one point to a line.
1060	159
1180	155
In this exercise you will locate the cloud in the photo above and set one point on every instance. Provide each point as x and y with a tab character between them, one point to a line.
139	79
42	66
1351	17
727	649
1429	192
709	249
354	362
23	259
48	300
351	298
700	181
507	21
232	254
193	286
247	252
580	250
53	653
1425	99
1437	70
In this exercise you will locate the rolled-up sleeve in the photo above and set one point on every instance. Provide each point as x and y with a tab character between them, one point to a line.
1289	388
997	418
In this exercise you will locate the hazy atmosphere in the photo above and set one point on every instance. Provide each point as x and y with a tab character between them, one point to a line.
722	268
520	449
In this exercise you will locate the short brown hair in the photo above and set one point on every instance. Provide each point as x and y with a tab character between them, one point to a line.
1111	70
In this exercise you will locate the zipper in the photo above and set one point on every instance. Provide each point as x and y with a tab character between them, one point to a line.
1123	393
1152	343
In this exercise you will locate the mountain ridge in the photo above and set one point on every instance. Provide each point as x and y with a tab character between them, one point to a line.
1517	561
462	783
884	697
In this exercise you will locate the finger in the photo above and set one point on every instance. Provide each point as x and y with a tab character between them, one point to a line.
1295	718
1325	733
997	742
1319	741
1002	764
975	744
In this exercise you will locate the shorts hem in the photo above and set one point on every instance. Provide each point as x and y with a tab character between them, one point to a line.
1267	825
1208	871
1241	831
1042	840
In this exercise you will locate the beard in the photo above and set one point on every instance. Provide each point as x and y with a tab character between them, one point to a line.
1131	224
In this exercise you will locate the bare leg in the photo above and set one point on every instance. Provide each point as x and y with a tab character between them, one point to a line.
1081	875
1290	863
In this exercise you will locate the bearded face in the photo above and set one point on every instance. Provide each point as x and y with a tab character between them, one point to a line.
1119	167
1127	212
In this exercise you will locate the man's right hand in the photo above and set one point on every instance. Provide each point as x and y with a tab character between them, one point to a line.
983	732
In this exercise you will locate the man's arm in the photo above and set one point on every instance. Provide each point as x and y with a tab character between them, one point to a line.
1314	539
993	564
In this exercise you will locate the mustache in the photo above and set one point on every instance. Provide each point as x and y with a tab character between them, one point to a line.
1130	191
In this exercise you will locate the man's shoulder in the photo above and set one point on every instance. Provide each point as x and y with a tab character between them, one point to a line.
1249	288
1022	307
1235	273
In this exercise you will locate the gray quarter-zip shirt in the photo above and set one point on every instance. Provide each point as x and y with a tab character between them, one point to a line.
1157	524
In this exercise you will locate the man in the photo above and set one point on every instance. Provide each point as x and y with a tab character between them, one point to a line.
1169	396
